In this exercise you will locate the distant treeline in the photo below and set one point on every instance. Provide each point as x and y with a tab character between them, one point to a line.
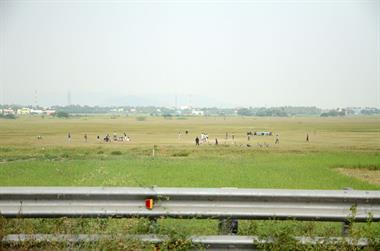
370	111
279	111
7	116
85	109
283	111
351	111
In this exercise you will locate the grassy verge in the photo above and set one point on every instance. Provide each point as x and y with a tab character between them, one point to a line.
183	167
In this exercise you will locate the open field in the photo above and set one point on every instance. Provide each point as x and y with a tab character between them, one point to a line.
336	144
356	133
294	163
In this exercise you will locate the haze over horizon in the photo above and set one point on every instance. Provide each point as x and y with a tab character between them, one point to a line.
212	53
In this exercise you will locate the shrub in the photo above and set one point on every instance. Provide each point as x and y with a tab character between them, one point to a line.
245	112
167	116
5	149
181	118
8	116
140	118
181	154
65	155
116	153
61	114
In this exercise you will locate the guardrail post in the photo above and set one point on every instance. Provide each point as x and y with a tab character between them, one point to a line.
153	225
346	224
345	228
228	226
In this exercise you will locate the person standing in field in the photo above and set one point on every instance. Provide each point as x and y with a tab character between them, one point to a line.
277	139
197	141
107	138
85	137
69	137
216	141
307	137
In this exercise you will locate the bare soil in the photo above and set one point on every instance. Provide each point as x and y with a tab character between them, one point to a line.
370	176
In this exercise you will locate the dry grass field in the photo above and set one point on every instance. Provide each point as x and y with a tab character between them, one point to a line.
352	133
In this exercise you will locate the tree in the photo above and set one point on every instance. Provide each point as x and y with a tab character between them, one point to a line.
244	112
61	114
8	116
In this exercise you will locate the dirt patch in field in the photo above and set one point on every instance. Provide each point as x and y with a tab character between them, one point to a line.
370	176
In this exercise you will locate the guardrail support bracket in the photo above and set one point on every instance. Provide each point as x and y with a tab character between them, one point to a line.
228	226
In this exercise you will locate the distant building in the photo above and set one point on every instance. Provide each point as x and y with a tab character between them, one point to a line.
49	112
24	111
197	112
29	111
8	111
37	111
185	107
354	110
342	111
120	109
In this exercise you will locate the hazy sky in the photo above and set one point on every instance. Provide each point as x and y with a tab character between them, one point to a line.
249	53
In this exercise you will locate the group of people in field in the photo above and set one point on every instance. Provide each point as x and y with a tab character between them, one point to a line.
115	138
203	138
107	138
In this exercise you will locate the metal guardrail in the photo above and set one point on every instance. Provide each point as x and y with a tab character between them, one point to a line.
222	203
226	204
211	242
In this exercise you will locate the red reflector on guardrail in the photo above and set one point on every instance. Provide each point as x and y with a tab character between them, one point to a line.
149	203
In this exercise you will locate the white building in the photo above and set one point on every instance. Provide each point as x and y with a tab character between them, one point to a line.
23	111
37	111
197	112
185	107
